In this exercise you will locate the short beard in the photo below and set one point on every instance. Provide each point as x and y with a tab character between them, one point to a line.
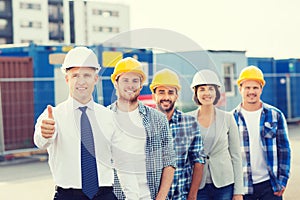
131	100
166	110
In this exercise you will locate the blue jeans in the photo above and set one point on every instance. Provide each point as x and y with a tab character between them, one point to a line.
210	192
262	191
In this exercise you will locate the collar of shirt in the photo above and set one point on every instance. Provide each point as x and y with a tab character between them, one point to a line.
77	104
176	117
141	108
239	107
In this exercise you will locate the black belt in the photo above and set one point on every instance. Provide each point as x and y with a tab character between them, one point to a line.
102	190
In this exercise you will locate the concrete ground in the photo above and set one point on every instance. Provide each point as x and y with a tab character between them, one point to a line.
33	181
26	181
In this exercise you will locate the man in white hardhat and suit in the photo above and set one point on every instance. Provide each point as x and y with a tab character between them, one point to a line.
77	134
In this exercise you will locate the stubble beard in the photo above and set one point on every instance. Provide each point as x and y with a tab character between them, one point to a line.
130	100
168	110
252	99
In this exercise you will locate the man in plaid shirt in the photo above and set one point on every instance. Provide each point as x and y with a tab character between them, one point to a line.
264	140
143	153
186	136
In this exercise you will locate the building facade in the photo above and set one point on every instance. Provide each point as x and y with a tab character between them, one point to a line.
61	21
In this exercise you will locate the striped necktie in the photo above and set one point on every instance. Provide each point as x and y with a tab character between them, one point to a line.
89	175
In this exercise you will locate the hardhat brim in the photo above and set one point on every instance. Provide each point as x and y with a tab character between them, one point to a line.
114	76
64	70
262	82
153	86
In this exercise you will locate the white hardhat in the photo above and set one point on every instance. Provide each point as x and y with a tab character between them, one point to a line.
205	77
80	57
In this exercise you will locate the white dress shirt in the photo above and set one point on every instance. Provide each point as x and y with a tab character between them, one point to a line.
64	147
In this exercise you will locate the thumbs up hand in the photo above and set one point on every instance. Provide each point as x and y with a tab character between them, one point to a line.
50	114
48	125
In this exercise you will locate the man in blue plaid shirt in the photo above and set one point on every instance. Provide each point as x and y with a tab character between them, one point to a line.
186	136
264	140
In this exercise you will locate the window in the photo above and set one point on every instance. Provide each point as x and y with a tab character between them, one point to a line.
2	5
53	29
106	29
26	41
96	12
53	11
3	24
32	6
56	29
36	25
106	13
115	30
31	24
229	69
114	13
2	40
29	40
97	29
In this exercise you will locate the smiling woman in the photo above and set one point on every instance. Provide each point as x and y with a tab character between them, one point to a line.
220	139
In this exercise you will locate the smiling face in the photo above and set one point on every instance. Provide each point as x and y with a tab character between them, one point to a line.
165	98
206	94
128	86
81	82
250	91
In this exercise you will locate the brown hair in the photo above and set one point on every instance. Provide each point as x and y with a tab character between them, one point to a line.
218	94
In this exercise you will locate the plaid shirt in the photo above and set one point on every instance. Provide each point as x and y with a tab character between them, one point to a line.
275	144
188	146
159	147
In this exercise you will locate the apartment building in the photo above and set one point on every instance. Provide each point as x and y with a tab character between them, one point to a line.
84	22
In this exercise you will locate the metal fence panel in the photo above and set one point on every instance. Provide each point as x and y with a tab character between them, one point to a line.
16	102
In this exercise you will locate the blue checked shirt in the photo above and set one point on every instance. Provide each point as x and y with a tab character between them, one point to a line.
159	148
188	146
275	144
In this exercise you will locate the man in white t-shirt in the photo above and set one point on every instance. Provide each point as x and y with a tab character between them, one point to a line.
143	153
264	140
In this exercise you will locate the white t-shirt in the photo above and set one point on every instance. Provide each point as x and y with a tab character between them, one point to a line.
129	155
258	162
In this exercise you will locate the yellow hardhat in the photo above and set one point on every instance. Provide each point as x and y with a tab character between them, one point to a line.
165	77
128	64
251	73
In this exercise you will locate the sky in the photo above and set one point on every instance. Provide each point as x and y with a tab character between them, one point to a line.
262	28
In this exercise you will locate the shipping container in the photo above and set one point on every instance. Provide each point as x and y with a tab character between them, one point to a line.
294	67
43	71
288	75
16	102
